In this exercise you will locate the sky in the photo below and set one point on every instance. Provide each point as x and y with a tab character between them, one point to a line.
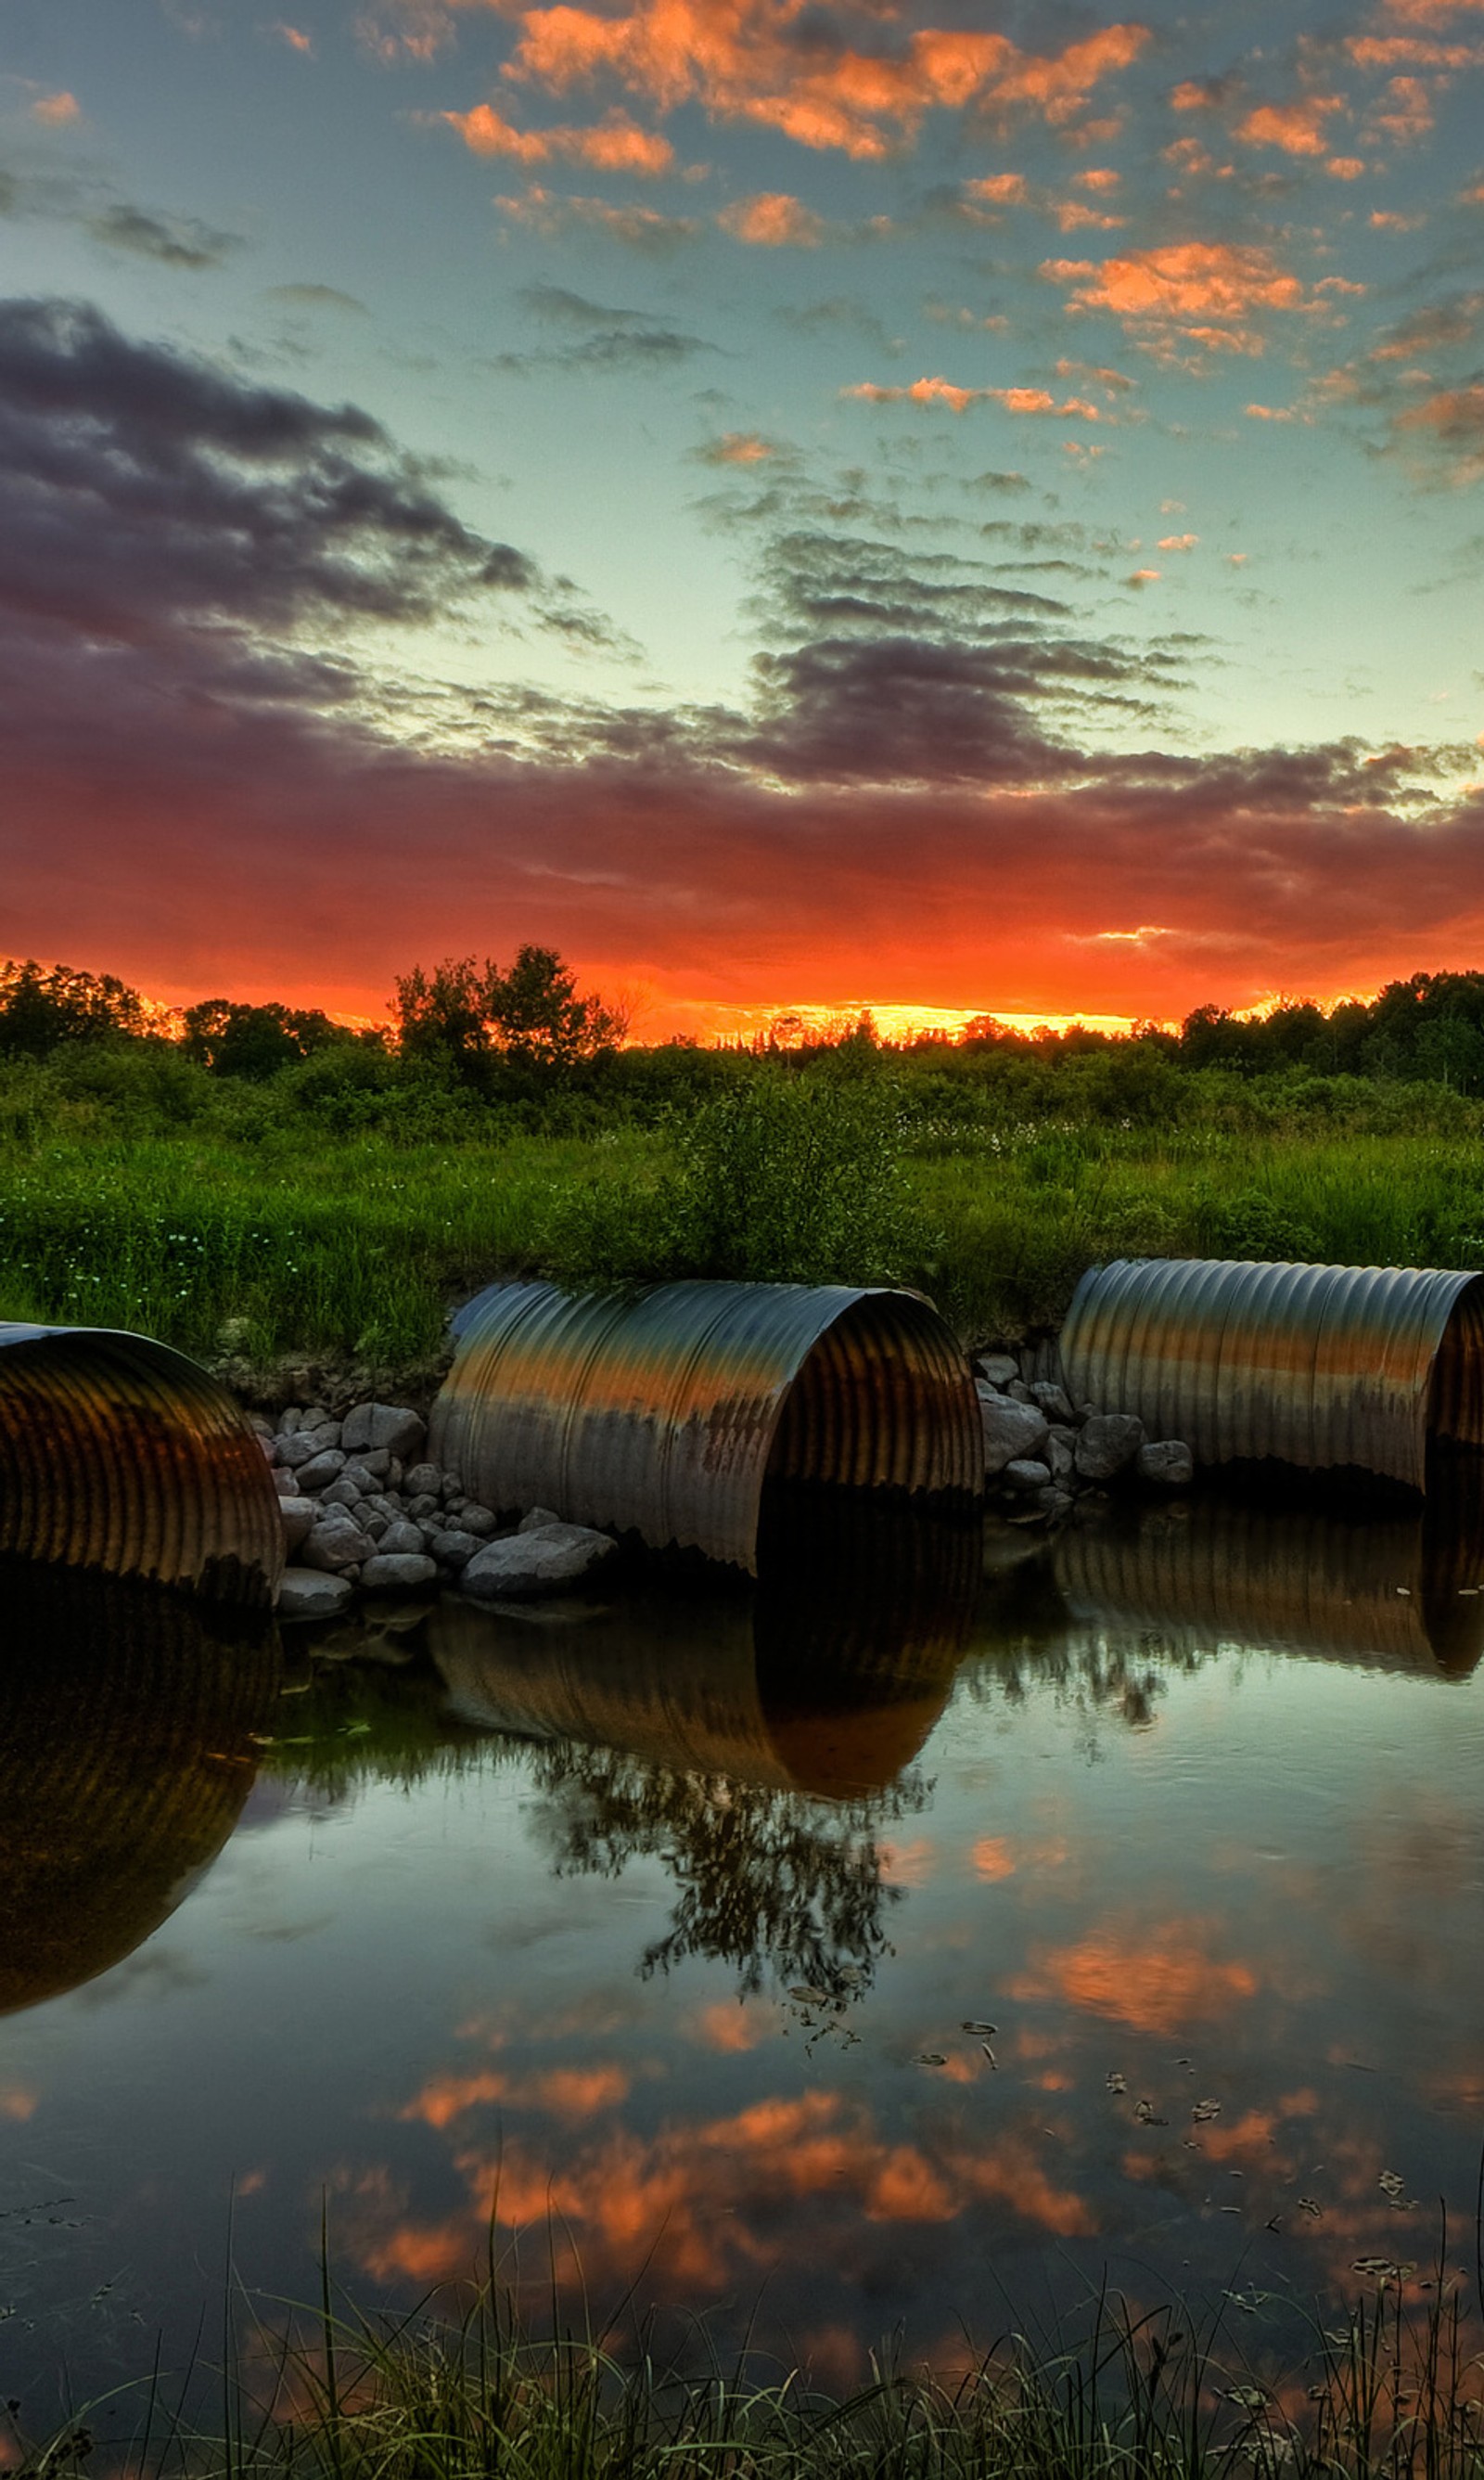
952	507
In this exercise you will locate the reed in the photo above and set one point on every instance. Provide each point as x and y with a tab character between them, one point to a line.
1392	2390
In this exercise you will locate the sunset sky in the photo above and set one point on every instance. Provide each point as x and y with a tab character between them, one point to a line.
938	502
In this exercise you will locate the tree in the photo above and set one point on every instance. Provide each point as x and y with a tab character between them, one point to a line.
464	1013
43	1008
234	1039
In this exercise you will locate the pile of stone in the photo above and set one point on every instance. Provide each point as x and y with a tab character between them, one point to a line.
1043	1451
365	1512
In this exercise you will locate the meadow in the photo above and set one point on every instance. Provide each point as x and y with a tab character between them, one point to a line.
336	1208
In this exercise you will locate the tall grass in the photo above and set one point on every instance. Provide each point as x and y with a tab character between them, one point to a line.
247	1221
1391	2392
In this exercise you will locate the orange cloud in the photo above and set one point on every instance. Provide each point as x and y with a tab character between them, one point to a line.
1298	128
737	448
1177	542
906	1864
998	189
641	227
756	60
1411	51
295	41
18	2101
1144	576
1202	292
617	145
734	2029
1346	167
941	391
1097	176
773	221
1157	1981
1073	215
56	111
1411	113
992	1858
560	2092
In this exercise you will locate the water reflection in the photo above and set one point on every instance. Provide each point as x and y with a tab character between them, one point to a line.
684	1722
125	1723
1398	1591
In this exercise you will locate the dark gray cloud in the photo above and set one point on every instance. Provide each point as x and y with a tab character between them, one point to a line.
176	240
144	490
316	297
603	338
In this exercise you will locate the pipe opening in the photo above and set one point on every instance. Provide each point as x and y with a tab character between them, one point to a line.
122	1457
879	1404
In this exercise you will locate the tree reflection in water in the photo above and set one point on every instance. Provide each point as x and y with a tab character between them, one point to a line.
768	1880
757	1743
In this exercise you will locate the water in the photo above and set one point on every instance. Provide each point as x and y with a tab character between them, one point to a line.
655	1940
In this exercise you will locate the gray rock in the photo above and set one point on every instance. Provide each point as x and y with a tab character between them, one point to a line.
382	1429
1107	1444
371	1523
1026	1473
394	1472
289	1420
361	1469
314	1416
1052	1399
335	1543
1010	1429
1020	1392
285	1480
1058	1456
269	1446
454	1549
1166	1463
400	1431
422	1502
452	1486
299	1447
302	1594
423	1481
402	1538
342	1492
540	1521
1054	1503
999	1367
396	1573
473	1519
321	1469
525	1565
300	1517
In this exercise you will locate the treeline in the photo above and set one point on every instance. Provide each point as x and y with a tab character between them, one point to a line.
526	1035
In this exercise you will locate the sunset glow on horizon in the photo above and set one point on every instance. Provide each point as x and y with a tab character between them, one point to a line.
978	504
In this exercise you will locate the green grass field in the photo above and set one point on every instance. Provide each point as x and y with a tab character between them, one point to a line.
286	1219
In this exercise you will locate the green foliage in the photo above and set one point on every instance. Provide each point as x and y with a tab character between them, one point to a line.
464	1015
43	1008
782	1179
235	1040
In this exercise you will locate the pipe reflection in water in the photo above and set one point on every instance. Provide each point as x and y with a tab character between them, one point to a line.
754	1740
1399	1592
125	1723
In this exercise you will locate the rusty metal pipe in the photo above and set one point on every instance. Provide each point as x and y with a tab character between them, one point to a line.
1319	1367
122	1457
664	1412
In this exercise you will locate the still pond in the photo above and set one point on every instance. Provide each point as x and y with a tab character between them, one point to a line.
893	1950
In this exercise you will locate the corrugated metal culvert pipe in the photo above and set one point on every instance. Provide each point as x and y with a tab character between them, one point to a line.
1321	1367
120	1455
664	1412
